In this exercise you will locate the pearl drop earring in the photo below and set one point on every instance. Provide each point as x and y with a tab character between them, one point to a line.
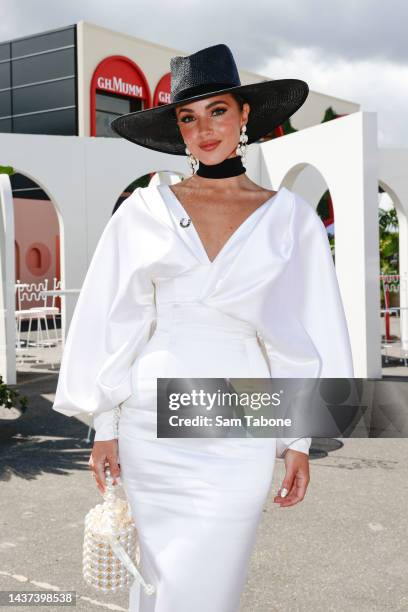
242	146
193	161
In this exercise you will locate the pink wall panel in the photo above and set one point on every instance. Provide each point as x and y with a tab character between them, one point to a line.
36	232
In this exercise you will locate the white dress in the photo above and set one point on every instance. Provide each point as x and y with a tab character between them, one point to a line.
154	306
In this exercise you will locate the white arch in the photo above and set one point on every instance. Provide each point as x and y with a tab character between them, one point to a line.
344	151
83	176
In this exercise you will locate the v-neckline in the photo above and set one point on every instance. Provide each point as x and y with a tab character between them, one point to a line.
231	237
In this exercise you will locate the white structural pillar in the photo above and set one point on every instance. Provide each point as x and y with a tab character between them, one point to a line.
355	202
7	278
344	152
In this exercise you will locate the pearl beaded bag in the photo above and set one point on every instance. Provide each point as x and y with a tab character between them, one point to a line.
110	543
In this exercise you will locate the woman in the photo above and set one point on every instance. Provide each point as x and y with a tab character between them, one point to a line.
212	277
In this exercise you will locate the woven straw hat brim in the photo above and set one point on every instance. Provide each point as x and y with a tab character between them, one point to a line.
271	102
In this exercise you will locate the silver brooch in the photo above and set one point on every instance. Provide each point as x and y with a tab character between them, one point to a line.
185	222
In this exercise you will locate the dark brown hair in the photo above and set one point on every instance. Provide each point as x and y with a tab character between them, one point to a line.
241	101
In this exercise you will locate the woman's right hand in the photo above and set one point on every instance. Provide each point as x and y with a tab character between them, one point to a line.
105	452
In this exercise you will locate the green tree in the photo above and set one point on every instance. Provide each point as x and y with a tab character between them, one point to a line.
389	240
6	170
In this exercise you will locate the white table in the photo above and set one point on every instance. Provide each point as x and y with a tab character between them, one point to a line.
59	292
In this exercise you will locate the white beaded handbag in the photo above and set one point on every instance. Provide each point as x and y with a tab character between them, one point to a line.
111	542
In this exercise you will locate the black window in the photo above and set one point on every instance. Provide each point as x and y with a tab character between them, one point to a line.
4	75
5	125
44	67
35	86
43	42
5	103
108	107
24	187
55	122
5	51
46	96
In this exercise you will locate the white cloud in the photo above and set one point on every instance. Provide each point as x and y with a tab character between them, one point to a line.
380	86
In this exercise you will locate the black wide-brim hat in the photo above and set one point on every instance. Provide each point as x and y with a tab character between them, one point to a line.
210	72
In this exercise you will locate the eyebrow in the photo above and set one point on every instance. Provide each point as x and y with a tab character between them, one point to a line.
208	106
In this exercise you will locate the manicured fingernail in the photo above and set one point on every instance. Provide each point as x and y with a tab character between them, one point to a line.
284	492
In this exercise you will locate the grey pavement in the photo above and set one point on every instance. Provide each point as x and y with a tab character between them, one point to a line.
344	548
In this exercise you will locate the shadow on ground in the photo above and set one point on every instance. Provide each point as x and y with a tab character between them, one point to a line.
42	440
45	441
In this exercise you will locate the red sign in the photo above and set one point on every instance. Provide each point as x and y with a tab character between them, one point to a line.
118	75
162	91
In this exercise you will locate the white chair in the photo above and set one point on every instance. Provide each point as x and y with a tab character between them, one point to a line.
49	308
56	287
385	346
20	315
26	292
403	354
45	311
30	292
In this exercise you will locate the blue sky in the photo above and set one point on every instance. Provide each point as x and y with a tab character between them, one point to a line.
353	49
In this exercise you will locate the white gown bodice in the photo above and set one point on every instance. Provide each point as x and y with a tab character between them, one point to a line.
274	279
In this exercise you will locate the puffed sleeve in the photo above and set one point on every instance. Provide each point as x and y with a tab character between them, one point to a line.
317	338
110	324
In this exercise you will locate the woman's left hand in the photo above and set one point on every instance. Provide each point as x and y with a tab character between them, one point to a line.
296	479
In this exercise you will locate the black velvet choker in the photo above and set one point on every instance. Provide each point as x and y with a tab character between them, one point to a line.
231	166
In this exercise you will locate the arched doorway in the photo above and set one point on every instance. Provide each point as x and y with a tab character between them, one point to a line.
37	265
393	285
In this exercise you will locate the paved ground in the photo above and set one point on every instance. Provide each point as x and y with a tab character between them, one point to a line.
344	548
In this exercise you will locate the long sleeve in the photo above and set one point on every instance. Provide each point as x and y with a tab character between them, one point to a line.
111	322
316	318
319	303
